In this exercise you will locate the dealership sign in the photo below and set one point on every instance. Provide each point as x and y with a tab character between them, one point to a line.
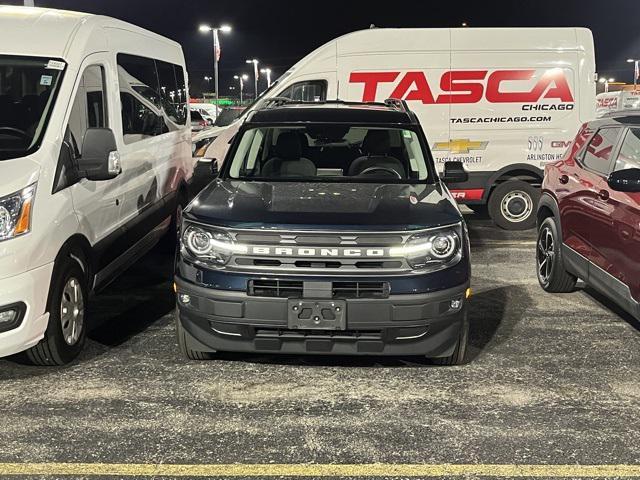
471	86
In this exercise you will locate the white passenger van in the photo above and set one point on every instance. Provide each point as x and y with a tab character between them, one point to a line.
504	101
95	159
611	102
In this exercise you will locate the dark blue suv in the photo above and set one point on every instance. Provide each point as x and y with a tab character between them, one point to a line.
327	231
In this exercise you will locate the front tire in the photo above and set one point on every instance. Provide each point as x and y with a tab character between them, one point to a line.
183	343
513	204
551	272
66	331
458	357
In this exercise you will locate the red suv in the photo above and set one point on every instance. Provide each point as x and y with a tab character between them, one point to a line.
589	213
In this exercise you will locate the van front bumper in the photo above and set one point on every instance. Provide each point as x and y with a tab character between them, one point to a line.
30	290
415	324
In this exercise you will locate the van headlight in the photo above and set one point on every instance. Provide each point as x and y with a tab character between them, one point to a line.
432	250
209	245
16	212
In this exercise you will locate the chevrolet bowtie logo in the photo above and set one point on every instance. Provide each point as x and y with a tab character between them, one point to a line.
459	145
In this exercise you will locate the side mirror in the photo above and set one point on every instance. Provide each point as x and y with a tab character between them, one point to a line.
454	173
214	167
625	180
100	159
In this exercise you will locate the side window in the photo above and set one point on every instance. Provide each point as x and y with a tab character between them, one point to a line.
89	107
172	92
138	120
597	155
140	98
310	91
629	156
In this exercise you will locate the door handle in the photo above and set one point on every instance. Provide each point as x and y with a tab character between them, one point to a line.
603	194
564	179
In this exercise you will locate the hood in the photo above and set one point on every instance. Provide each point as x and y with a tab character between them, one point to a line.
309	205
16	174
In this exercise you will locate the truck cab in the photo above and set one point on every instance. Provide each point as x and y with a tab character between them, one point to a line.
327	231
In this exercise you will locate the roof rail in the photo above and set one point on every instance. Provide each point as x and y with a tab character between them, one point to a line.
397	104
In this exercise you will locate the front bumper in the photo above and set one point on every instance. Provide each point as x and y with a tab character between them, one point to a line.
31	289
415	324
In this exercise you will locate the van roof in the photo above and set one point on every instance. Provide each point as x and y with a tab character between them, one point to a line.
51	32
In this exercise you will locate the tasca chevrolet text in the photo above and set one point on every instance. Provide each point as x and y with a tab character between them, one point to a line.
328	231
503	101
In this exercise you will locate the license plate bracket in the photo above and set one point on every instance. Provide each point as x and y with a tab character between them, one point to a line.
309	314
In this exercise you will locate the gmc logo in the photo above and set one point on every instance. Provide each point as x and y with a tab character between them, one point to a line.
317	252
467	86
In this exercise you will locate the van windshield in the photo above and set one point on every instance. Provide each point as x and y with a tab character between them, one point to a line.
330	153
28	87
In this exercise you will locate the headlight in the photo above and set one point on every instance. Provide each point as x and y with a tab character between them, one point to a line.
432	250
210	245
15	213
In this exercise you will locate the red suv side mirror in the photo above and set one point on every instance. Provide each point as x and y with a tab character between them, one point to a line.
625	180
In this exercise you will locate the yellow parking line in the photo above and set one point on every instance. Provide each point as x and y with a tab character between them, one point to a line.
320	470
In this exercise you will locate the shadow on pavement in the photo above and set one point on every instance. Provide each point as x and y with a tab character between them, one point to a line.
615	308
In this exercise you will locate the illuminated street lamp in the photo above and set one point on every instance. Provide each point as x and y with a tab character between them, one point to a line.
241	79
636	70
267	72
606	82
255	74
216	52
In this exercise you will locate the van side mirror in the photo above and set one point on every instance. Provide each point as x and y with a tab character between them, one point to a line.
454	173
625	180
100	159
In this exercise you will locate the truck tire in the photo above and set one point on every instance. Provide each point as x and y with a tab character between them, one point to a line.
67	329
183	343
512	205
551	273
458	356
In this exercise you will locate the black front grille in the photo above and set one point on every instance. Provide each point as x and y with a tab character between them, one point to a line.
360	289
275	288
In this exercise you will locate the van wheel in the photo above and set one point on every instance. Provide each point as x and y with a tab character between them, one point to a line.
513	204
183	343
552	275
459	353
66	332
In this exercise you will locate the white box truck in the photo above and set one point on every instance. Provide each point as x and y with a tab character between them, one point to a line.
504	101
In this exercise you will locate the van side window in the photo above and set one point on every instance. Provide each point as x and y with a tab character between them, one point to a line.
89	108
629	156
309	91
171	96
139	121
597	155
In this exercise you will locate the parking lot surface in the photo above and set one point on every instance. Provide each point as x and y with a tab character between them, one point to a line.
551	380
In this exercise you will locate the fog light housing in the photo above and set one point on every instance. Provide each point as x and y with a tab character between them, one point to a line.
11	316
184	298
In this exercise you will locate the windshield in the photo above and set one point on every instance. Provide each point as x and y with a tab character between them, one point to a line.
330	152
27	91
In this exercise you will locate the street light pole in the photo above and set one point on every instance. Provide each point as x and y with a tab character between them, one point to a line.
267	71
636	70
255	74
241	79
216	54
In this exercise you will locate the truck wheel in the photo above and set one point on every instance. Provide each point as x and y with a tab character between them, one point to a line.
552	275
66	332
183	343
513	204
459	353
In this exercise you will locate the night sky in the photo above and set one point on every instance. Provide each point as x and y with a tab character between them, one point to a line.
280	32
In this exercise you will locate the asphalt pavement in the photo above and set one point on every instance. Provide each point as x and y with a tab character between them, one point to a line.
552	380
